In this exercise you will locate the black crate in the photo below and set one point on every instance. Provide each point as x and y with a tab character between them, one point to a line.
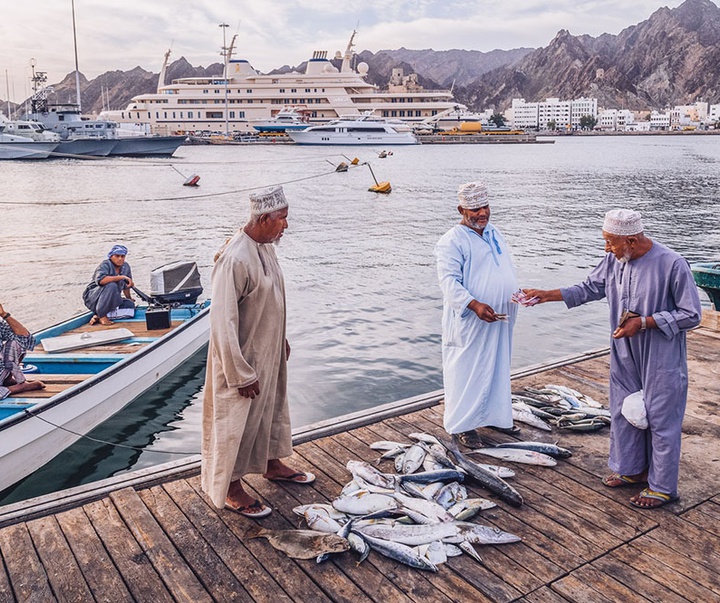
157	318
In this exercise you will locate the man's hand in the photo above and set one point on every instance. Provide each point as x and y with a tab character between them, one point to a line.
250	391
129	282
543	295
632	326
483	311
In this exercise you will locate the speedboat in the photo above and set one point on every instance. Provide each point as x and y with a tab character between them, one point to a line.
92	372
20	147
288	118
365	129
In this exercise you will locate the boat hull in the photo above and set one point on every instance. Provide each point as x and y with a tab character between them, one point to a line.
31	438
90	147
26	150
150	146
352	139
707	277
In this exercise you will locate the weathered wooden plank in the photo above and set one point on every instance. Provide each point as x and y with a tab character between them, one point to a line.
609	586
543	595
578	591
258	580
62	570
133	564
644	559
195	550
699	545
611	565
26	573
95	564
167	561
6	592
706	517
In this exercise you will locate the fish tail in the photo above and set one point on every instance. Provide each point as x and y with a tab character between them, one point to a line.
254	532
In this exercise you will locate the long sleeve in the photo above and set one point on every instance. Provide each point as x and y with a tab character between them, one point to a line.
688	311
230	284
450	263
591	289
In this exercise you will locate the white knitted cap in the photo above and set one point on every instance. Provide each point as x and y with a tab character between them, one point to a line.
267	201
473	195
623	222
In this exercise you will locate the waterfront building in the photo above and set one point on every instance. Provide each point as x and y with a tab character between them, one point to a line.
616	120
552	113
659	121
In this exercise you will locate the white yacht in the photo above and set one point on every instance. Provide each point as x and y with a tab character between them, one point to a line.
366	129
231	102
288	118
21	147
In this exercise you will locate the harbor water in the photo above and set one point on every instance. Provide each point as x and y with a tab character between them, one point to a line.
363	301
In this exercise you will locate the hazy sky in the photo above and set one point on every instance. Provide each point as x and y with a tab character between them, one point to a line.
273	33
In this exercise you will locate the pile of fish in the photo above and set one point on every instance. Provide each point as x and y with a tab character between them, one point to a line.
418	516
558	406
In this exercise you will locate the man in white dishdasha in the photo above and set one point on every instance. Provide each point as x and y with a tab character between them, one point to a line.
477	279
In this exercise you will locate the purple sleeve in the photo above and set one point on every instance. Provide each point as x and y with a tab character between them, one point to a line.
591	289
683	291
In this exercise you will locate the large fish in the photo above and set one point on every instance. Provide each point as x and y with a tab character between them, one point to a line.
421	510
543	447
486	479
502	472
410	534
479	534
521	412
370	474
413	459
428	477
516	455
301	544
364	502
400	552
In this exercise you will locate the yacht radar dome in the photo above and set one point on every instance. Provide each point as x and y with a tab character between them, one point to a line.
363	68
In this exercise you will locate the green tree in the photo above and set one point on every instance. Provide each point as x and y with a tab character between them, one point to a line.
552	125
587	122
497	119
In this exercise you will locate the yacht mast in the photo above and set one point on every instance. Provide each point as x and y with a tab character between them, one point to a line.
347	59
77	69
226	59
161	77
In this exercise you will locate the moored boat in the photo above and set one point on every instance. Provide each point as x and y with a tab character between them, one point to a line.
285	120
707	277
86	386
365	129
20	147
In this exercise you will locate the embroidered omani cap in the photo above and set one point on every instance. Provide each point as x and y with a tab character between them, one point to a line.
623	222
473	195
267	201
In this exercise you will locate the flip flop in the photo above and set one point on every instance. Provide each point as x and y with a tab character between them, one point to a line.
247	511
469	439
299	477
651	494
509	430
625	479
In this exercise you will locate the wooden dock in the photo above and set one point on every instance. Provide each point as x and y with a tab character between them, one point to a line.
152	536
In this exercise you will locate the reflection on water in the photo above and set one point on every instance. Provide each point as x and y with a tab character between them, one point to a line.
364	306
159	410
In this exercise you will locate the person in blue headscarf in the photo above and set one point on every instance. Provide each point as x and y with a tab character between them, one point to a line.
112	280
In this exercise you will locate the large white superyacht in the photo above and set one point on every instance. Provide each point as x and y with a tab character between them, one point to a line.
230	102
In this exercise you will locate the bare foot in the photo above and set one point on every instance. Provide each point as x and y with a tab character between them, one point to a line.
278	471
105	321
28	386
649	499
94	320
237	497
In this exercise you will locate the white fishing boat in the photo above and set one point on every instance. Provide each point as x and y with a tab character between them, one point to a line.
20	147
365	129
90	373
232	101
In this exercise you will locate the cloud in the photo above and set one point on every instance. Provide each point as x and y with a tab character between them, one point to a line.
272	33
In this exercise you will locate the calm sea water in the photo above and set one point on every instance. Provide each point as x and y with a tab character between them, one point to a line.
364	306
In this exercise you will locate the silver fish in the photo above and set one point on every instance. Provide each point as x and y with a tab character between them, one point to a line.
400	552
434	552
451	494
515	455
399	459
486	479
358	545
523	414
320	521
452	550
468	508
430	464
301	544
543	447
388	445
429	509
412	534
414	457
585	425
502	472
469	549
327	508
428	477
363	502
424	437
370	474
480	534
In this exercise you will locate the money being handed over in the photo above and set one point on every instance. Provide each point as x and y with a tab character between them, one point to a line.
519	297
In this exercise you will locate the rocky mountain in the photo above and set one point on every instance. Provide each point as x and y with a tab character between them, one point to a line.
671	58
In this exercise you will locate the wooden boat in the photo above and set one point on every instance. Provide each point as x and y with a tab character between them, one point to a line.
87	385
707	277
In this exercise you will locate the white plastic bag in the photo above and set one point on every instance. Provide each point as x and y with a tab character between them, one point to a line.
633	409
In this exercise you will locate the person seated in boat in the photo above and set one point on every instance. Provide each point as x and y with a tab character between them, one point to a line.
15	341
112	280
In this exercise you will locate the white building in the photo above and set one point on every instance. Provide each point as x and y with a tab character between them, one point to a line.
714	113
616	120
659	121
552	113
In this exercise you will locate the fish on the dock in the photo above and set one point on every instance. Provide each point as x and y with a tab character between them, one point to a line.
584	399
434	552
468	508
421	510
388	445
450	494
522	413
329	509
499	470
480	534
585	425
428	477
543	447
301	544
370	474
487	480
400	552
517	455
469	549
358	545
411	534
413	459
320	521
364	502
424	437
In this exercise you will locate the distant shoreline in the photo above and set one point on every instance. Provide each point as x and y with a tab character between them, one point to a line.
650	133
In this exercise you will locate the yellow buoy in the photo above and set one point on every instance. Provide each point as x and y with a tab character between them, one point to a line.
381	187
